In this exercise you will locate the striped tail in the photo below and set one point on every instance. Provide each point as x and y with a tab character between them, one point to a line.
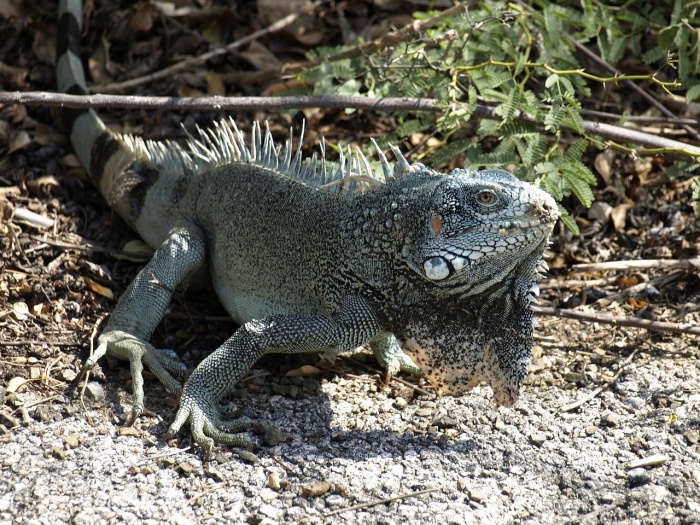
106	157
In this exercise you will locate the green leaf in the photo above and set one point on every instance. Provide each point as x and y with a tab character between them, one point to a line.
568	221
693	93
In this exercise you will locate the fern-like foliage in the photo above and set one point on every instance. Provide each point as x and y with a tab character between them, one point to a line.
522	59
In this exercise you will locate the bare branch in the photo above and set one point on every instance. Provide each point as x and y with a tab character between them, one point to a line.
389	104
683	264
633	322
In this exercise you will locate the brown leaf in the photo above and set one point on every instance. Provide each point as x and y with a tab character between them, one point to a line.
98	288
628	282
143	18
304	371
261	58
619	216
19	141
603	165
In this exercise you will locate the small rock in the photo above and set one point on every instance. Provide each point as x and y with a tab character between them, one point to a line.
652	461
499	424
127	431
310	384
573	377
657	493
611	419
476	495
214	474
248	457
599	212
58	453
341	489
400	402
67	375
591	429
185	468
692	437
71	410
537	438
43	413
315	489
274	436
34	372
94	391
445	422
273	480
638	477
270	511
424	412
72	441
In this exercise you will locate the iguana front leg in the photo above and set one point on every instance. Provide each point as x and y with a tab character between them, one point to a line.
221	370
391	358
143	306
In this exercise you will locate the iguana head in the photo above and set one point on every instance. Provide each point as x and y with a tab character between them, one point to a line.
479	227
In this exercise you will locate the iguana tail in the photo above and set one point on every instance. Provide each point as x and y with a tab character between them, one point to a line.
104	154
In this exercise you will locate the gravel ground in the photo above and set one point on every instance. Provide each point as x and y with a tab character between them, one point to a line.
340	439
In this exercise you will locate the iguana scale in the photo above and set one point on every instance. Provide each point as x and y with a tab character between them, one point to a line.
309	256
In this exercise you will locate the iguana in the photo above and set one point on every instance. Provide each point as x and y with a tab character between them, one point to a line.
435	272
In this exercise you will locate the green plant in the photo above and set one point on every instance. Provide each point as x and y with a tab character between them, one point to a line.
521	57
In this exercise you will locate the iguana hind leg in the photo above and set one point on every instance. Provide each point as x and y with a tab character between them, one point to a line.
288	334
143	306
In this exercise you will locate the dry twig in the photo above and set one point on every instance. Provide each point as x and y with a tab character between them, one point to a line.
388	104
633	322
382	501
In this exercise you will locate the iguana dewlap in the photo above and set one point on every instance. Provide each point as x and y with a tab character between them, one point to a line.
307	256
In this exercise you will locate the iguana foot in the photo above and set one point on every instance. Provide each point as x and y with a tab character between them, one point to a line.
389	355
206	424
162	363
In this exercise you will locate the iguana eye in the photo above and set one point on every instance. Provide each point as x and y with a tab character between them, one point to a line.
487	197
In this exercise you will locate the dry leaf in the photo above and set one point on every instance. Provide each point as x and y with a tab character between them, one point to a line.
135	251
304	371
628	282
619	216
40	309
19	141
98	288
143	18
14	384
261	58
21	310
603	165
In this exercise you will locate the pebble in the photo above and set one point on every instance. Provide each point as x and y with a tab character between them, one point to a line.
248	457
692	437
537	438
611	419
94	390
273	480
638	477
315	489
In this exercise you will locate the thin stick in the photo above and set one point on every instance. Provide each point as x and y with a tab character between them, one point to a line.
683	264
594	393
633	322
389	104
381	501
